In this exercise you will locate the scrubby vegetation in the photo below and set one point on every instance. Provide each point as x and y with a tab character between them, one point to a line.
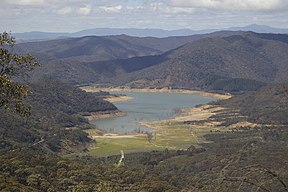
244	160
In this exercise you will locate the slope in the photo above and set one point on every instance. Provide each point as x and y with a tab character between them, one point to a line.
69	59
268	105
223	61
55	124
90	48
226	63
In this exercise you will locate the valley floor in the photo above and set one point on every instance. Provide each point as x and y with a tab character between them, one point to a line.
186	129
179	133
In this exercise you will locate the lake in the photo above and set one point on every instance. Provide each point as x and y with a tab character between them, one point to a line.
147	106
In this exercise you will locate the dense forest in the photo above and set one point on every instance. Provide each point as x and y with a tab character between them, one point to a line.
56	121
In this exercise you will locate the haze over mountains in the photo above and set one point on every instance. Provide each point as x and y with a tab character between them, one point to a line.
224	60
229	61
160	33
65	58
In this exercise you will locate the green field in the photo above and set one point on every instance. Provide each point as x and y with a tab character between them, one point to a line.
113	146
168	135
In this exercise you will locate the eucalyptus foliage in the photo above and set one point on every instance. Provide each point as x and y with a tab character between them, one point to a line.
12	68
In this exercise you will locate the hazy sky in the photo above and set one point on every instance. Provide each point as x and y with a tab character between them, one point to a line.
75	15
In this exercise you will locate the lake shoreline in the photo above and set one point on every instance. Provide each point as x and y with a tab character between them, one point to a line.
104	115
196	114
115	99
177	133
162	90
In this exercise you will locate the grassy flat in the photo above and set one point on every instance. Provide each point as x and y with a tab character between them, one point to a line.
167	134
113	146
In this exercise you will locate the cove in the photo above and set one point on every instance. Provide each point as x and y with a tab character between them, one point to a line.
148	106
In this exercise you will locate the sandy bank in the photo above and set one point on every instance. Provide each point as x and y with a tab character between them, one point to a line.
118	136
196	114
115	99
163	90
198	117
105	114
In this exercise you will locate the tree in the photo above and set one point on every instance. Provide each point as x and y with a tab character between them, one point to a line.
13	68
149	136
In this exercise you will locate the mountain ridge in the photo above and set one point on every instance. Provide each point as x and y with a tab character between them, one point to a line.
160	33
208	61
224	61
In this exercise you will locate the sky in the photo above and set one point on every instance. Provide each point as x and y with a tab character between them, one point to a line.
76	15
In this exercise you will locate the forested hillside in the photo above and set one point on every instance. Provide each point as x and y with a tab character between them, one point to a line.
91	48
111	47
56	120
222	61
269	105
79	60
237	62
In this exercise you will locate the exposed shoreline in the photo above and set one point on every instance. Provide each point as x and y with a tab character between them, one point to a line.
196	118
104	115
200	117
198	121
163	90
117	136
115	99
196	114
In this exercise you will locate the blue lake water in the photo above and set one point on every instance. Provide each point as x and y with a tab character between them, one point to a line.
148	107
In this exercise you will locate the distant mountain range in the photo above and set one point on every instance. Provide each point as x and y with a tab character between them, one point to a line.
37	35
83	60
229	61
100	48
